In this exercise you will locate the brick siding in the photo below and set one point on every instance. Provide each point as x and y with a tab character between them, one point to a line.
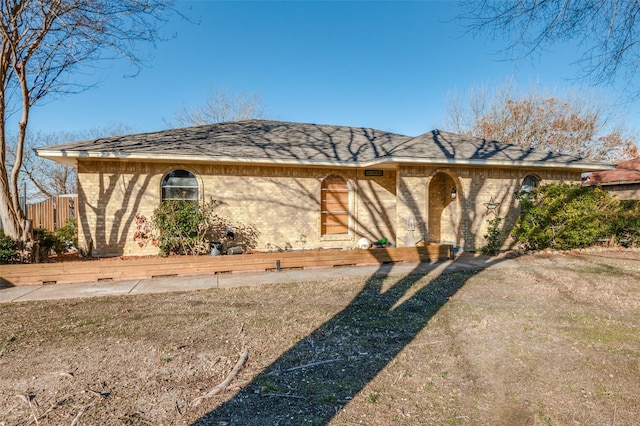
283	203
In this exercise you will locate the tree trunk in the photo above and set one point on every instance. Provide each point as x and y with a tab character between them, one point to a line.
12	223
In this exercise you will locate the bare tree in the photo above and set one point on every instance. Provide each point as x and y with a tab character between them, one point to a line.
41	44
607	31
47	178
576	124
219	107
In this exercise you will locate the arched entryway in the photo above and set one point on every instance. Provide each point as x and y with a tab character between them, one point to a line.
445	211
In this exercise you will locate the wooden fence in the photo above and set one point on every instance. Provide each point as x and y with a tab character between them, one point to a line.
53	213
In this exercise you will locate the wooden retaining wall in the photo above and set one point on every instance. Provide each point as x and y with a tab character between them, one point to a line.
120	269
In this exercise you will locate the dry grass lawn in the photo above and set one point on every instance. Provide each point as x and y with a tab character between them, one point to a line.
550	341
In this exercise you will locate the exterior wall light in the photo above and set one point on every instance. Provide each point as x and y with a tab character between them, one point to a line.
454	193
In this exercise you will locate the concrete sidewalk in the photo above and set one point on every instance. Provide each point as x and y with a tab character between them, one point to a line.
242	279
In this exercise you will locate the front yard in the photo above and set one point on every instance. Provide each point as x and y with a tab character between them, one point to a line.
553	341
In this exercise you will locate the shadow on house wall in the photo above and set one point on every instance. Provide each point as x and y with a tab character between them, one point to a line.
108	231
99	228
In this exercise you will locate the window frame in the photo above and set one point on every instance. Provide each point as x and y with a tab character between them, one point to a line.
189	175
528	189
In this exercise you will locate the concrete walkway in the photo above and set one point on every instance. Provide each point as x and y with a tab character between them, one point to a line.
244	279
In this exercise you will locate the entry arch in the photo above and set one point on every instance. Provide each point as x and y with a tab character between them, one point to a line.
445	201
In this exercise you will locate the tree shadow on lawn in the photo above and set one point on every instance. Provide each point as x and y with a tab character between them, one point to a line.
312	381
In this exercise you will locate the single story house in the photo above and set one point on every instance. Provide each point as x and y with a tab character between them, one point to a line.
309	185
623	181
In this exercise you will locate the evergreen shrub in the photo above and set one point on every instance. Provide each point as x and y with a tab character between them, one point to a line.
563	216
8	249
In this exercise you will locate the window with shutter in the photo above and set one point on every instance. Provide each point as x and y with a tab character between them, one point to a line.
335	206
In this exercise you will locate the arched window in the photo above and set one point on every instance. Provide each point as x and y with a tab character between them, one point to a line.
180	185
335	206
529	184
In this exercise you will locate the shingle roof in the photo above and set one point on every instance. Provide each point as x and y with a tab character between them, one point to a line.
269	142
439	144
255	139
625	172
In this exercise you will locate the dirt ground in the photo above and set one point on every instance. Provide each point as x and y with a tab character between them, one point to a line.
554	340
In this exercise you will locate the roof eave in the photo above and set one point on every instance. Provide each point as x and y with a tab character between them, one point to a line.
70	158
577	165
612	183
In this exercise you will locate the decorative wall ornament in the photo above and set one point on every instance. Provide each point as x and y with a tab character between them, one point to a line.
492	206
410	239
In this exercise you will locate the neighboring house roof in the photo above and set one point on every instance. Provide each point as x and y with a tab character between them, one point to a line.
626	172
277	142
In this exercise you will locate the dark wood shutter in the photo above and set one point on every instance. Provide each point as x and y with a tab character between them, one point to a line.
335	206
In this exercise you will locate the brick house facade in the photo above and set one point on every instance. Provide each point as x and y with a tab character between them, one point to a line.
307	185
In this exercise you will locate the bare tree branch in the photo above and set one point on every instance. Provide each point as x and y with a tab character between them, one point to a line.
42	43
47	178
607	31
219	107
577	124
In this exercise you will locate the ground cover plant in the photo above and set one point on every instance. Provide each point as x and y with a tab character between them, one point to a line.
548	340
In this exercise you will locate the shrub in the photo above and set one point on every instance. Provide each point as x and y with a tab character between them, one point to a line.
186	227
181	227
625	226
47	242
8	249
67	236
562	216
232	233
493	237
145	232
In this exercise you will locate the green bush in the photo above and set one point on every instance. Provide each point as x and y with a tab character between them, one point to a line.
47	242
493	237
8	249
181	227
625	225
67	235
186	227
562	216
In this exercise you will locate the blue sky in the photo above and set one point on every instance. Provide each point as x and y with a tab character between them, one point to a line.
386	65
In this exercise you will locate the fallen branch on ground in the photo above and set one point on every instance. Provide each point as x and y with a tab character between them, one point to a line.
27	400
80	413
241	384
225	383
55	405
